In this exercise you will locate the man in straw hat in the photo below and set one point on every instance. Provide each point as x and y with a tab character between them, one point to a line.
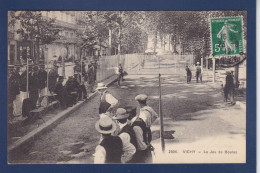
127	135
143	153
107	100
110	148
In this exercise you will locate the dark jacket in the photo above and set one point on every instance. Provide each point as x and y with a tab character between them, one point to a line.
53	75
23	83
42	75
139	122
33	81
229	82
114	149
13	87
188	72
128	129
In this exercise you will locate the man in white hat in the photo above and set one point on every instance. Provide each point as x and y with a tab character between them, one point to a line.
198	73
107	100
146	113
127	135
110	148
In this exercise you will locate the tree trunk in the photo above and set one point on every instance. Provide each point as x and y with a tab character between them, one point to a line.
155	41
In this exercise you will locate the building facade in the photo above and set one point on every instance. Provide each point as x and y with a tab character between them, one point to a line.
70	23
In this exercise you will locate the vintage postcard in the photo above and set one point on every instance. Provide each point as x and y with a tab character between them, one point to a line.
128	87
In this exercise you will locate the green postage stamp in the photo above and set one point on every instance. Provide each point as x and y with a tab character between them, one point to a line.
227	36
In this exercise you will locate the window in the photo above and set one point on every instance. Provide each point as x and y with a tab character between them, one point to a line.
71	35
66	34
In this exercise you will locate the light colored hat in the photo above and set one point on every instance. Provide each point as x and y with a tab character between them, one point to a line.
121	114
141	97
198	63
105	125
101	86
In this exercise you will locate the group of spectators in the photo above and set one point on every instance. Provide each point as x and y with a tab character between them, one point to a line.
39	81
126	134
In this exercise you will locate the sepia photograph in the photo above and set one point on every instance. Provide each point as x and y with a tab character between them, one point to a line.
127	87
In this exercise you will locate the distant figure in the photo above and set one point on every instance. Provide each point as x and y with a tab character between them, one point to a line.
198	73
91	77
188	74
121	74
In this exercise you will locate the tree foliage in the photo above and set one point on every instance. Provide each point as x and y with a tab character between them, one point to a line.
32	24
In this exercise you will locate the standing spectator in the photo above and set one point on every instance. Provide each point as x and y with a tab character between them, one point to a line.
52	78
188	74
198	73
143	153
147	114
127	135
17	103
33	86
94	64
13	90
77	67
61	93
91	77
71	87
42	76
229	87
110	148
